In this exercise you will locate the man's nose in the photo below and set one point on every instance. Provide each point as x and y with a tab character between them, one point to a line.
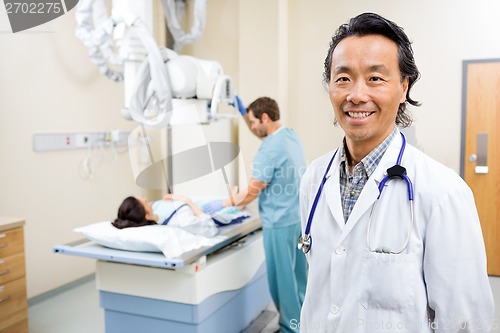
358	93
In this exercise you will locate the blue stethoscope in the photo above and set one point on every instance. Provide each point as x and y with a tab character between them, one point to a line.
397	171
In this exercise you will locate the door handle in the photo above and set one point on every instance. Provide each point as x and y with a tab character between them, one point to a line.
482	154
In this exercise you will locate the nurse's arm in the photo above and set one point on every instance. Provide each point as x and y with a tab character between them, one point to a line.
247	195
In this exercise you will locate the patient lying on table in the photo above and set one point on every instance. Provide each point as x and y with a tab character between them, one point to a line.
174	210
187	227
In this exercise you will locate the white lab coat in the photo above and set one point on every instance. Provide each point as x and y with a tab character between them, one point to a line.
438	284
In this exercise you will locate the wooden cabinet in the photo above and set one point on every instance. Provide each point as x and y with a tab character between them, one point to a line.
13	303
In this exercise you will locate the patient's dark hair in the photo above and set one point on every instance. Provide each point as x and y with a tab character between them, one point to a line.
131	214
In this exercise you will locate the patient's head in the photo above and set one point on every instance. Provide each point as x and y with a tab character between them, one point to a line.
134	212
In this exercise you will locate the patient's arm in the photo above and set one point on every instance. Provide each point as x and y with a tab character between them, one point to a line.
196	210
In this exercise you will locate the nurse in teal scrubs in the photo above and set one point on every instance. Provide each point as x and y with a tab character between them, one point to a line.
276	173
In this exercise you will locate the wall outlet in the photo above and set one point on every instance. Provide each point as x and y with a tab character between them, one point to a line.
82	140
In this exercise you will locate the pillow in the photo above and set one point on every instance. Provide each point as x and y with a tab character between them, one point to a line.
171	241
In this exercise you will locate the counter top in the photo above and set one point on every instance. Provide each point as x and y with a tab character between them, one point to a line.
10	222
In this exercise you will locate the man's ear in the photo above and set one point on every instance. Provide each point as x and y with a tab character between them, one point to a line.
265	117
404	85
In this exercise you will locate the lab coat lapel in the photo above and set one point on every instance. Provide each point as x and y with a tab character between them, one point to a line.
365	201
370	192
332	193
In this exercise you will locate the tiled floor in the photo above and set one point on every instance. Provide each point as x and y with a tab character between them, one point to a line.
77	311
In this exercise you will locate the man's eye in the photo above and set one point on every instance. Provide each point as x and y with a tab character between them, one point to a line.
342	79
376	78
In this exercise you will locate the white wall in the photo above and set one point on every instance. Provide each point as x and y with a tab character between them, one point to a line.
444	33
274	48
250	40
47	84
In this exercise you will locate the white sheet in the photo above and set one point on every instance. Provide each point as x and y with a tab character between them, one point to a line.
171	241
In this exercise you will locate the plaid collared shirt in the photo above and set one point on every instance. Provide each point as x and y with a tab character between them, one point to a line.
351	184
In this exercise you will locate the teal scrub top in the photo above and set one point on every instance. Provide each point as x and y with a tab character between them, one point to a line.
280	162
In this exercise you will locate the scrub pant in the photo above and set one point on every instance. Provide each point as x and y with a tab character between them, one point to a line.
286	273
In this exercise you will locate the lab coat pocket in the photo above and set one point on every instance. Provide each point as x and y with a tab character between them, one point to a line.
387	281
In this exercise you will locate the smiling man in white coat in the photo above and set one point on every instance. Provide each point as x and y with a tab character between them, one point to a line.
392	237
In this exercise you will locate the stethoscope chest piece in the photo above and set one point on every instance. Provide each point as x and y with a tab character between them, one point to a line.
304	243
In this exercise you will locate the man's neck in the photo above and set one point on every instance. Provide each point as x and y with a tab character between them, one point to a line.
356	151
273	127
